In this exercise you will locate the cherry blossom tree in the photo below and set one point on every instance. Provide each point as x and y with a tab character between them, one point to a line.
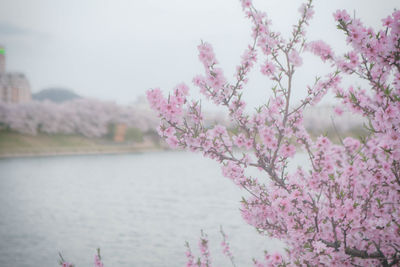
342	210
87	117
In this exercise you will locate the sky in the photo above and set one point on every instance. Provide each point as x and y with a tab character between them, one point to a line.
117	49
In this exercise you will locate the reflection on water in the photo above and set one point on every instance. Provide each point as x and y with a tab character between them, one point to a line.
139	209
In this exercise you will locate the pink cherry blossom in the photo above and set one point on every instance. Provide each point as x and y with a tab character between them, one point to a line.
295	58
321	49
338	110
343	205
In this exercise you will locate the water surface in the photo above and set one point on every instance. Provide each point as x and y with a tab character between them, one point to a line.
138	208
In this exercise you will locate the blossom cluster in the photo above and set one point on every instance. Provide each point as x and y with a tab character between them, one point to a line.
344	208
204	260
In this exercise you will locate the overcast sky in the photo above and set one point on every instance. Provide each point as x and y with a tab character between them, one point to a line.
117	49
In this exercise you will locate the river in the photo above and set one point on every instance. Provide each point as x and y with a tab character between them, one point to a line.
138	208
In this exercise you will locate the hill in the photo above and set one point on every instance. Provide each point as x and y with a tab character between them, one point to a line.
57	95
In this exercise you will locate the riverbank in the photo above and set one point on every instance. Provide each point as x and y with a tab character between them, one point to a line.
20	145
14	144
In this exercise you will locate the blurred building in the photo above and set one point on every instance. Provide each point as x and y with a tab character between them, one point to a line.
14	86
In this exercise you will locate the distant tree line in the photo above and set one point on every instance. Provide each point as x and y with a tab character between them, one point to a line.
88	117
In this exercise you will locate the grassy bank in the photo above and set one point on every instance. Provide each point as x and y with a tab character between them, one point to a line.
15	144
